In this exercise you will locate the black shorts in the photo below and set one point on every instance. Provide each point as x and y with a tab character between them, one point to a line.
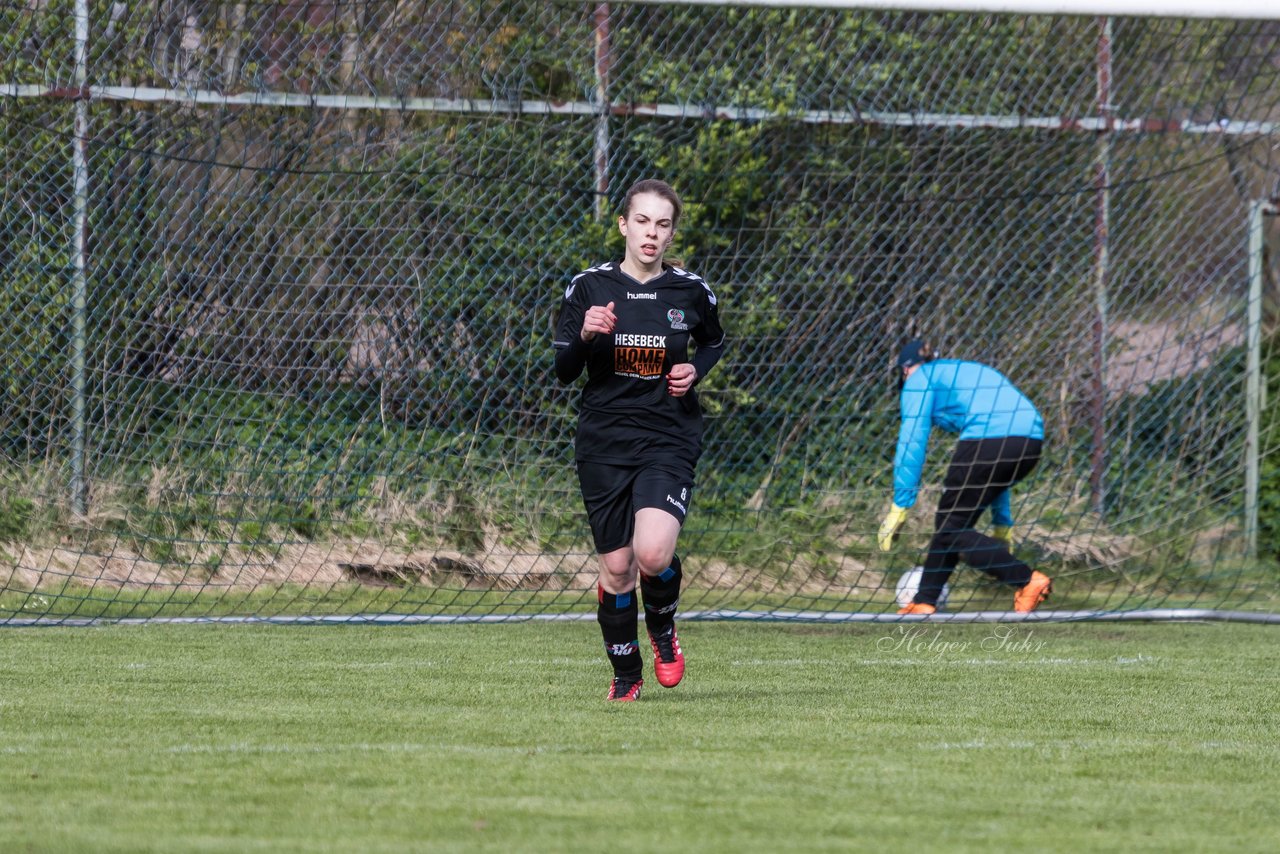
613	494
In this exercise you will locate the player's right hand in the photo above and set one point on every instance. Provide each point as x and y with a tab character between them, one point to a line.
889	527
599	319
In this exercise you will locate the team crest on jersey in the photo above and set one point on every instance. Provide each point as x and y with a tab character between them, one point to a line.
676	316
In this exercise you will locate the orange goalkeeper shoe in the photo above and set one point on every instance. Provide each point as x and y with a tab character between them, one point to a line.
1033	592
919	608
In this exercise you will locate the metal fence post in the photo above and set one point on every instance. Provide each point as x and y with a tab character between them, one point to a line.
1253	374
80	166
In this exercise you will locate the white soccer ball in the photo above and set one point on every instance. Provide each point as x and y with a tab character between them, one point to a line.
909	583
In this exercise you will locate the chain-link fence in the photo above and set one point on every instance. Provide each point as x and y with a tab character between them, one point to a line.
279	281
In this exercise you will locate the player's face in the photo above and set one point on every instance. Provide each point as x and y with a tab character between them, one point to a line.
648	228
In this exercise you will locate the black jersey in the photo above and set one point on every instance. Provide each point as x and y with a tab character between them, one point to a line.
626	415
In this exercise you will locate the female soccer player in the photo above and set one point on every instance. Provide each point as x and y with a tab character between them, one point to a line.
639	434
1000	439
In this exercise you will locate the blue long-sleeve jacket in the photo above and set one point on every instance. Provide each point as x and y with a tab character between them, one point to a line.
968	398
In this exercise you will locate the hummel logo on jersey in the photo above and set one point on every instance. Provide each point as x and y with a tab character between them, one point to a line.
641	296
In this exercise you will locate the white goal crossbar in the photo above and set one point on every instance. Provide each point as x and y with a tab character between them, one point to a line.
1259	10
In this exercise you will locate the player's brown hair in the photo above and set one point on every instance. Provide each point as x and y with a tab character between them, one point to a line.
659	188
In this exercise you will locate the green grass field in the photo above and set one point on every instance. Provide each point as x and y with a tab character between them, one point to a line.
782	737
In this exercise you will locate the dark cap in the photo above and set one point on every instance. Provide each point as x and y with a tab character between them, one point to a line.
913	353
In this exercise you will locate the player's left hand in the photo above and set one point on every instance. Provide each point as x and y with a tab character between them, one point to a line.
681	378
889	527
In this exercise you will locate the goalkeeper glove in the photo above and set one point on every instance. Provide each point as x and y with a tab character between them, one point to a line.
889	527
1003	533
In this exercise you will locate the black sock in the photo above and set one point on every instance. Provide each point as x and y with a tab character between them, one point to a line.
661	596
617	617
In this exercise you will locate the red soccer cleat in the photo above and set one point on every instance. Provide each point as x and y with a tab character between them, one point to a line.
668	660
624	690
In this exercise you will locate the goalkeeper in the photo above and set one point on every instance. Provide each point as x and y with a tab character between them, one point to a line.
1001	433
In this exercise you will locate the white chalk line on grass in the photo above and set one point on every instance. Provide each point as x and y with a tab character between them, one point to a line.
888	660
369	747
942	658
407	748
355	747
1022	744
376	665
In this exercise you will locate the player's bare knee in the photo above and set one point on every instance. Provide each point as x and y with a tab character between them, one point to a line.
617	581
652	561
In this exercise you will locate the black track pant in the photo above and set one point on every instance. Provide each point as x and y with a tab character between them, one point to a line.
980	470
